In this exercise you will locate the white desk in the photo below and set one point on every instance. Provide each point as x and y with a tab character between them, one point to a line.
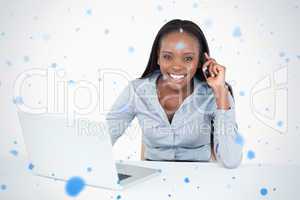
206	181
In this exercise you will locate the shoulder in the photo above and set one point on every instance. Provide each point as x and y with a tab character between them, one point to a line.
147	83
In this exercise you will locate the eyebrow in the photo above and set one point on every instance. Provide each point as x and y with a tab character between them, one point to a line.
183	53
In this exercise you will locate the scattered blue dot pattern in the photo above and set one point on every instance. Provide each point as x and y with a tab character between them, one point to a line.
30	166
237	32
242	93
3	187
186	180
53	65
131	49
18	100
71	82
74	186
26	59
14	152
281	54
280	123
250	154
180	45
239	139
89	169
263	191
88	12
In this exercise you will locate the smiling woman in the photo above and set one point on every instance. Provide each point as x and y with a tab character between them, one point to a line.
175	98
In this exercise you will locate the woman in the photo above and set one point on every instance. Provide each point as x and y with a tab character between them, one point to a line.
182	102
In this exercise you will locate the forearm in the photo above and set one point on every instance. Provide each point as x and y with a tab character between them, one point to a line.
221	94
228	150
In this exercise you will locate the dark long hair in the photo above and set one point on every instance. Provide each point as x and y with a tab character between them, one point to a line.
194	30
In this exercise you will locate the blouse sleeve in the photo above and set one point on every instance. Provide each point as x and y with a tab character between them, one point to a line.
228	149
121	113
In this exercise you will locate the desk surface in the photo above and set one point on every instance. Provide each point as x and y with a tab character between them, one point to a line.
178	180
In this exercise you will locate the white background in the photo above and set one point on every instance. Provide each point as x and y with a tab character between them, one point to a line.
255	40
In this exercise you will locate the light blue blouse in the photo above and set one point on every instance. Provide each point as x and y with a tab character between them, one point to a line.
188	135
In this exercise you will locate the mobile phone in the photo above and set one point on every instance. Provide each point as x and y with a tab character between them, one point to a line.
205	70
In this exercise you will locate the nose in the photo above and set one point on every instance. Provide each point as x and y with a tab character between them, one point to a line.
178	68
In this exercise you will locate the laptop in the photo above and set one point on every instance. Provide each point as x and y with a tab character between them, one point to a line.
58	150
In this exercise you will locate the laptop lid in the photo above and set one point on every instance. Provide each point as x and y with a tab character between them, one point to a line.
60	150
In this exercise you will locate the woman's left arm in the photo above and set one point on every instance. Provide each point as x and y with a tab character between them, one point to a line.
227	149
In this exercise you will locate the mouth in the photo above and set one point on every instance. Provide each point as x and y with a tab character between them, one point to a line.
177	77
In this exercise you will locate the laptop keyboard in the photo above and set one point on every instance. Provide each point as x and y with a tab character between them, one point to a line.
123	176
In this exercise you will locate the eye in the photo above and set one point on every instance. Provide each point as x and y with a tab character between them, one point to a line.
167	57
188	59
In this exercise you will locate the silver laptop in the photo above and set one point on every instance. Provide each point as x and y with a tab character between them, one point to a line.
57	150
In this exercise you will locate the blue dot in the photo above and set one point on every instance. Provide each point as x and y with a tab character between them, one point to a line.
30	166
236	32
280	123
239	139
250	154
263	191
26	59
8	63
88	12
159	8
14	152
53	65
242	93
131	49
3	187
186	180
18	100
46	36
74	186
208	23
118	196
281	54
71	82
180	45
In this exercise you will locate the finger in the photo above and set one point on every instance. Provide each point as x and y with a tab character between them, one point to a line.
206	55
220	68
206	64
215	69
210	69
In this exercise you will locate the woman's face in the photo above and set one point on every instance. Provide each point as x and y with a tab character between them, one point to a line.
178	58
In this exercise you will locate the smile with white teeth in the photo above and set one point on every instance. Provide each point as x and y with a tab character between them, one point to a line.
177	77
